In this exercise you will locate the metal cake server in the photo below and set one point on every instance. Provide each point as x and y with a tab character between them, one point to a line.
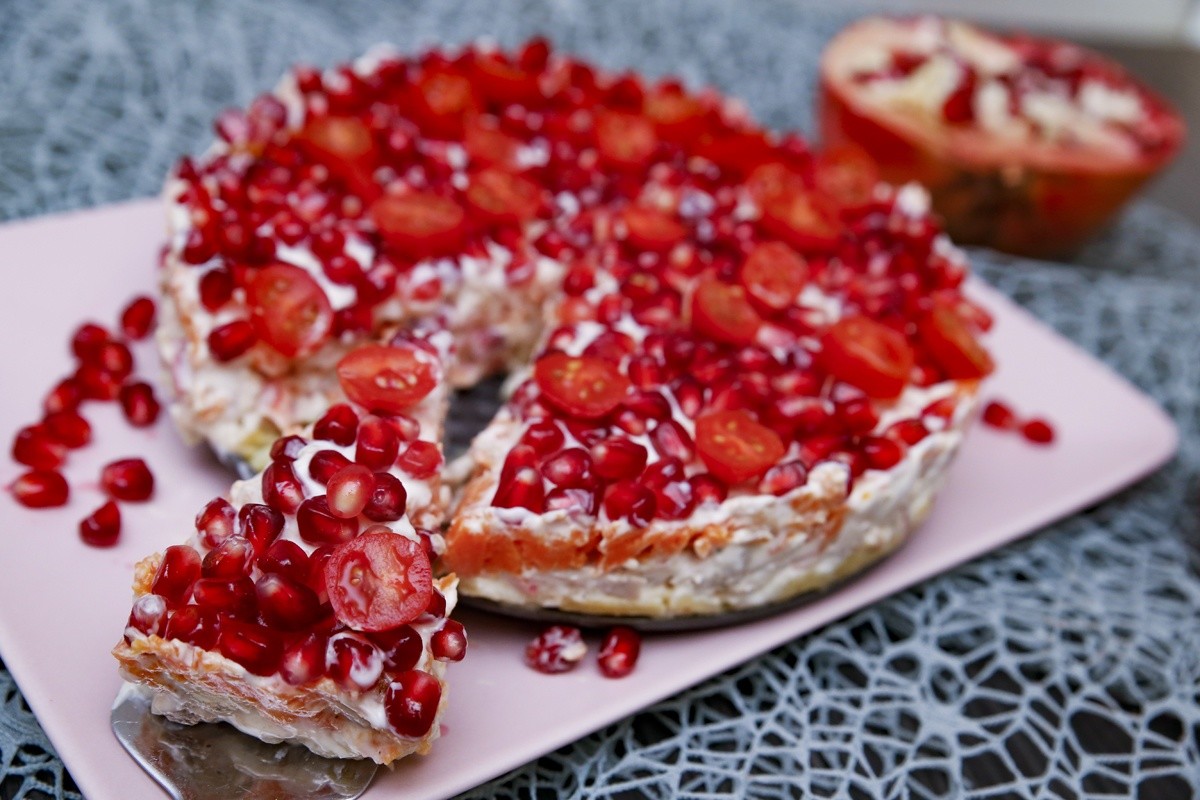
216	762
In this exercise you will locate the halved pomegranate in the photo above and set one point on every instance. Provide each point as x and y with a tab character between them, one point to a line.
581	386
1032	145
290	311
735	447
388	379
378	581
867	354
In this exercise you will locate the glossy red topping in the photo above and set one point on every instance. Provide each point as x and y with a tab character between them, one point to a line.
867	354
289	309
734	447
388	379
581	386
378	581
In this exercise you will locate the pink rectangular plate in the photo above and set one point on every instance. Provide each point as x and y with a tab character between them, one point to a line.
64	604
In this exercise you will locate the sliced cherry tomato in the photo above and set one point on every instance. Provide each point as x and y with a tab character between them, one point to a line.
952	344
737	153
388	379
625	140
443	99
774	179
420	224
582	386
774	274
500	196
346	147
723	312
677	115
489	146
379	581
847	173
735	447
503	82
867	354
805	220
651	229
289	309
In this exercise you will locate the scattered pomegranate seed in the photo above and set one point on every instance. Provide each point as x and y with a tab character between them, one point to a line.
281	488
285	604
378	445
449	643
229	560
350	490
630	501
782	478
216	289
411	702
880	452
619	652
40	488
260	525
97	384
102	527
318	525
231	340
420	459
69	428
234	597
304	661
87	340
35	447
137	318
127	479
999	415
388	499
148	615
1038	431
558	648
178	570
139	404
214	523
325	464
115	359
65	396
255	647
354	663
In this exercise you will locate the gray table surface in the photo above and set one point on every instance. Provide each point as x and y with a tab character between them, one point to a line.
1067	665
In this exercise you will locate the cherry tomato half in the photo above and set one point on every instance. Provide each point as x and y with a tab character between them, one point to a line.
420	224
735	447
288	309
388	379
867	354
723	312
952	344
582	386
378	581
774	274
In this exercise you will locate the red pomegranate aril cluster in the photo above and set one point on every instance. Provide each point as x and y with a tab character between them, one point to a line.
561	648
1000	415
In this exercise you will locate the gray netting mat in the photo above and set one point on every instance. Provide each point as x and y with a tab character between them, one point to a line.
1065	666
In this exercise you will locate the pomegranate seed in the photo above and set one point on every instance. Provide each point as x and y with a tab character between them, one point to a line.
558	648
96	384
647	405
942	408
216	289
318	525
214	523
818	448
672	441
353	662
234	597
231	340
325	464
674	500
708	488
281	488
178	570
228	560
102	527
630	501
255	647
115	359
420	459
68	428
139	404
128	479
407	428
999	415
387	500
856	416
40	488
783	478
304	661
544	436
285	557
35	447
285	604
645	372
881	452
260	525
401	647
288	448
523	490
619	652
349	490
571	469
1038	431
192	625
198	247
690	397
87	341
959	106
411	702
65	396
449	643
618	458
378	444
574	501
662	472
137	318
148	615
908	431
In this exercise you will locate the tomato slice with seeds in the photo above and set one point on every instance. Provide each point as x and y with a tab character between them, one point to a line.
489	146
738	153
625	140
504	82
724	313
388	379
676	115
774	274
346	147
651	229
805	220
847	173
500	196
735	447
420	224
288	309
867	354
443	99
775	179
952	344
581	386
379	581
